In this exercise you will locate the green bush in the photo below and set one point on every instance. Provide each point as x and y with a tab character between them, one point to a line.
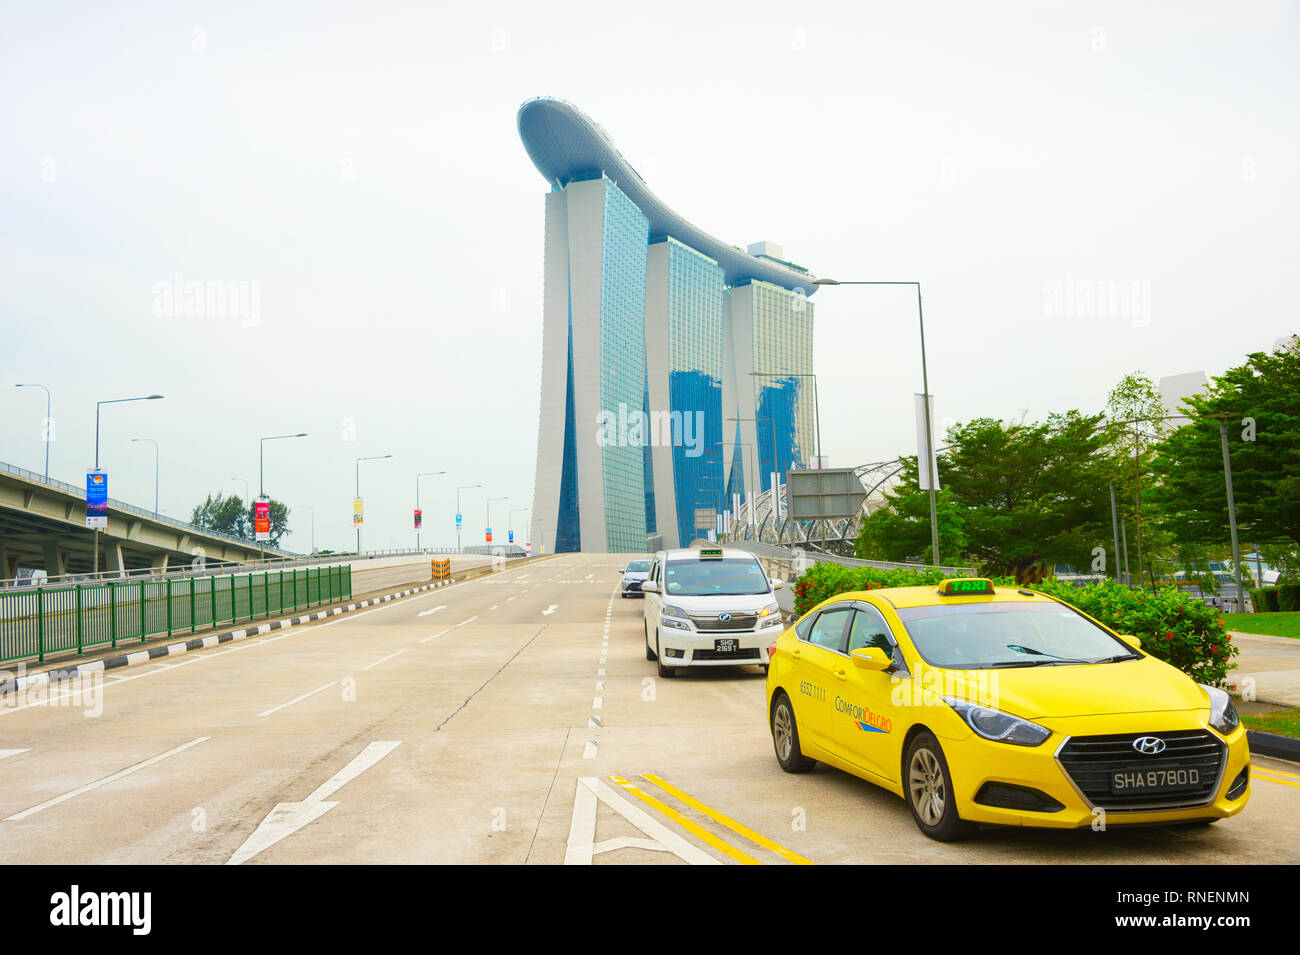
1183	632
1288	597
1265	599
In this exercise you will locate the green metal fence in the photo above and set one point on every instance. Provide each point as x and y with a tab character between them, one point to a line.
43	620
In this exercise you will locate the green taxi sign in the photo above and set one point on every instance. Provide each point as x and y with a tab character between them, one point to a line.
966	586
710	552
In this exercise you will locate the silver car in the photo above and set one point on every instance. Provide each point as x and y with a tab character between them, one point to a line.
633	576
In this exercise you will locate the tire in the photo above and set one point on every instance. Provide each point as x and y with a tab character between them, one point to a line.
649	654
928	790
785	737
666	672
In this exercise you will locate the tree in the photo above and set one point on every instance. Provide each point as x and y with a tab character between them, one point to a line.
1017	498
230	515
1259	404
1137	422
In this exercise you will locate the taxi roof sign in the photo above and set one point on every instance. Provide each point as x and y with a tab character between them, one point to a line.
966	587
710	552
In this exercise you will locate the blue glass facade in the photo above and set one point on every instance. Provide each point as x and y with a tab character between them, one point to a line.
622	366
783	343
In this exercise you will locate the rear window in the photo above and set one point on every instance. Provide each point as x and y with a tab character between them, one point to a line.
723	577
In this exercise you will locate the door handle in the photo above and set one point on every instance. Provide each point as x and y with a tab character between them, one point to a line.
795	653
841	674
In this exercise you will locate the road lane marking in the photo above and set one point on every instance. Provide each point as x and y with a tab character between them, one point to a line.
425	613
493	607
1281	782
6	753
597	703
318	689
591	749
550	610
120	774
736	827
1275	772
470	620
437	635
382	659
288	817
582	845
688	824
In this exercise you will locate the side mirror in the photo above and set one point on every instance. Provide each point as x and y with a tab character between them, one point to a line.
871	658
776	584
1132	641
649	587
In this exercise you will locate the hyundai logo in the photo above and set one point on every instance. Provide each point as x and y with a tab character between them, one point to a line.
725	617
1149	745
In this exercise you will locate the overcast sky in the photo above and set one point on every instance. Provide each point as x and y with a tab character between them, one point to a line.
357	166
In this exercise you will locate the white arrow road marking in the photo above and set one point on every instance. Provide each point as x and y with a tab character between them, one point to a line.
550	610
288	817
120	774
382	659
4	753
582	844
425	613
298	700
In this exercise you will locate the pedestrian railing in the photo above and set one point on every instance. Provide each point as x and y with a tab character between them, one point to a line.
36	622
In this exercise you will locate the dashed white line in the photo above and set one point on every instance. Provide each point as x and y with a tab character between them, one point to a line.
318	689
382	659
121	773
6	753
437	635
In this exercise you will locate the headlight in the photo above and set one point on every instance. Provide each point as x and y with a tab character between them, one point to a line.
1223	715
668	610
998	726
674	618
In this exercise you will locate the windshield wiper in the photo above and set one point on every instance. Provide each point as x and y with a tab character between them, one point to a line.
1115	659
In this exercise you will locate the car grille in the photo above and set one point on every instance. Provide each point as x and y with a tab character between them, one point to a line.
738	622
735	656
1089	761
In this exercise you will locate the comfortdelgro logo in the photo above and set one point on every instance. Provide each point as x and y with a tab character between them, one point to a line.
867	720
73	908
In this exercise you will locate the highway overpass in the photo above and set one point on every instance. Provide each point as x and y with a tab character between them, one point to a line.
43	525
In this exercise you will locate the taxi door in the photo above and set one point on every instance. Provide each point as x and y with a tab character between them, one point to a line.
868	727
817	655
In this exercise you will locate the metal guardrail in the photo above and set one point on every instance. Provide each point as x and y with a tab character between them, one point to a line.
788	553
35	622
116	505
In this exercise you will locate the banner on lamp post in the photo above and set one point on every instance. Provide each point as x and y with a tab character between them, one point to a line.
419	518
262	519
97	499
358	511
927	460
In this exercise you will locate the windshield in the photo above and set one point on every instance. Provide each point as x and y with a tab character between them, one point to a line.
987	635
728	577
638	567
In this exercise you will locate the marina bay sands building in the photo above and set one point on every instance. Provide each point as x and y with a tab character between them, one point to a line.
673	364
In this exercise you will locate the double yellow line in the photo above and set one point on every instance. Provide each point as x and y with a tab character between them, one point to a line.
1289	779
697	830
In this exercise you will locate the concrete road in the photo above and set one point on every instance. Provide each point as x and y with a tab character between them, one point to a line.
482	723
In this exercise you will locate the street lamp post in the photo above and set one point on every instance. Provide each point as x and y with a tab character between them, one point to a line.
45	432
776	480
929	425
510	520
373	457
305	507
817	407
749	497
417	500
155	469
98	404
463	487
261	481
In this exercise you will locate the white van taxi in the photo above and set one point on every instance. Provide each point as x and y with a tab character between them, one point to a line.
709	607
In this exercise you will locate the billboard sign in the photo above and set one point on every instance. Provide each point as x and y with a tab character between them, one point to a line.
419	518
262	519
488	535
97	499
825	494
358	511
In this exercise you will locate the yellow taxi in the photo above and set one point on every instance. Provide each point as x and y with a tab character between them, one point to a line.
984	704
